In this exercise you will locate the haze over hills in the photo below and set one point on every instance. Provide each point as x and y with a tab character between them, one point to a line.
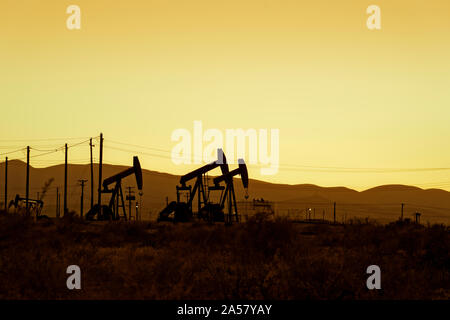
382	203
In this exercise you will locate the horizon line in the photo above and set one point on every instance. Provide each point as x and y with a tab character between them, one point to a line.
263	181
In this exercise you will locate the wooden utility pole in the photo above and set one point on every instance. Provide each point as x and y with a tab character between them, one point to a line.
82	181
57	202
6	184
100	174
334	213
65	181
27	191
92	176
401	217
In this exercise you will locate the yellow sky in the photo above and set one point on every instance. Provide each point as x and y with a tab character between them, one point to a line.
340	94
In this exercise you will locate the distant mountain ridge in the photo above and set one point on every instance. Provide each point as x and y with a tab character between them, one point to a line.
382	202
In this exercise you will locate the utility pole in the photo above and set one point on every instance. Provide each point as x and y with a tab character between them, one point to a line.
57	202
92	175
100	174
403	205
82	181
334	213
130	197
6	184
65	181
27	191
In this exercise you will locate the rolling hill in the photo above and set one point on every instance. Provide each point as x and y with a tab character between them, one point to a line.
382	203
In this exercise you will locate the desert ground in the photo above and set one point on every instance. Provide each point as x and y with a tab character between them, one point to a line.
263	258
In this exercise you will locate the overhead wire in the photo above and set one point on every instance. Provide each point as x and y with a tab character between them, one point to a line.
282	166
291	167
14	151
43	139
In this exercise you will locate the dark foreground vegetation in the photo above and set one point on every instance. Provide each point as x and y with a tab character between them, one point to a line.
259	259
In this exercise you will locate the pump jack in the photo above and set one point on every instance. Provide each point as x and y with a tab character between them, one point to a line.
229	194
111	212
35	206
183	210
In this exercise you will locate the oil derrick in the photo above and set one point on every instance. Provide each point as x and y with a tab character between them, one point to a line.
112	211
183	211
229	196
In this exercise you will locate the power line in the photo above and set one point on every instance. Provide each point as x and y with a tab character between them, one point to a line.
308	168
44	154
10	147
138	152
358	170
56	160
46	151
139	146
9	152
292	167
284	167
44	139
80	143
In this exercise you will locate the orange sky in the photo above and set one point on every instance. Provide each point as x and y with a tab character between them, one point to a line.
341	95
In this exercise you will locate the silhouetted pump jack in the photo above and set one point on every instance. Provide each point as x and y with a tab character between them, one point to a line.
229	195
182	211
34	206
111	211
